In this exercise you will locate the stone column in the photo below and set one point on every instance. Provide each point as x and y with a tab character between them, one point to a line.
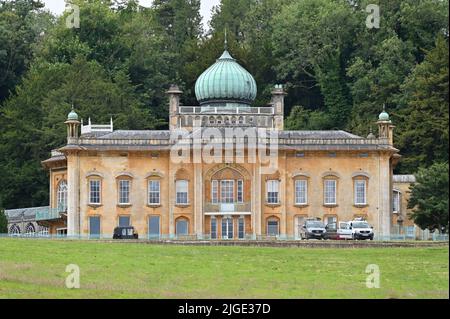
171	199
283	190
73	194
385	191
198	200
256	199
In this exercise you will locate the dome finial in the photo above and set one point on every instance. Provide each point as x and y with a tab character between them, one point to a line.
384	116
226	40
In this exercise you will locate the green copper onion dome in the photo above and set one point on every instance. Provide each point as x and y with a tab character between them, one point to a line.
72	116
384	116
225	82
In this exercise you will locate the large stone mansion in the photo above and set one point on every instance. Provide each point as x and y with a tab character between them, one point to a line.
104	177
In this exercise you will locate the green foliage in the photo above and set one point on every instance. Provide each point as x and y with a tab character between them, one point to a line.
21	23
429	198
122	59
303	119
423	130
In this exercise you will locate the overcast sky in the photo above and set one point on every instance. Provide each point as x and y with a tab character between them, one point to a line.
57	7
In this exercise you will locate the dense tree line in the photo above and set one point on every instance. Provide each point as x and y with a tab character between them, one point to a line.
338	73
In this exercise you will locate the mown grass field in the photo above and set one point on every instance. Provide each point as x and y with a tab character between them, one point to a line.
36	269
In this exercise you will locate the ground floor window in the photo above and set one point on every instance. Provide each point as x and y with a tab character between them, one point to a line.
241	228
213	228
273	227
227	228
61	232
14	230
153	227
30	230
43	231
182	227
124	221
94	227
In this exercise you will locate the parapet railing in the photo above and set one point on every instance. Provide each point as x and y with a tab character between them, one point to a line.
225	110
50	213
225	208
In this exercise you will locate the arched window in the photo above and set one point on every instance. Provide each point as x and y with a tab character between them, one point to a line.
14	230
182	227
273	227
61	197
30	230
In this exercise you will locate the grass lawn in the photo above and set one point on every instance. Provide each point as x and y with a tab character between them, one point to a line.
36	269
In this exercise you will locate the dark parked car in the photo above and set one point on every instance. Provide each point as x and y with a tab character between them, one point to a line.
125	233
338	231
312	229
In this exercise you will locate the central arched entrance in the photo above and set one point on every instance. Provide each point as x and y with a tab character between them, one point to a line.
227	202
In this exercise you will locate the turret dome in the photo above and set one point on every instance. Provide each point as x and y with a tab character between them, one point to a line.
225	82
72	116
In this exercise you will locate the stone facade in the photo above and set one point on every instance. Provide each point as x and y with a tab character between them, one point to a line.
111	173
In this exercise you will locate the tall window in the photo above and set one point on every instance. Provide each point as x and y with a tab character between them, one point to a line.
301	192
272	227
330	192
182	192
214	191
94	227
240	191
213	228
61	197
227	191
182	227
241	228
154	191
360	192
273	191
94	191
227	228
396	202
124	191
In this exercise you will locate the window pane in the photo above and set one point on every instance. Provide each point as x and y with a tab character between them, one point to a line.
94	227
182	227
124	192
360	192
227	191
214	191
213	228
227	228
241	228
272	191
272	228
94	192
154	192
240	191
330	192
153	227
182	192
300	191
124	221
62	196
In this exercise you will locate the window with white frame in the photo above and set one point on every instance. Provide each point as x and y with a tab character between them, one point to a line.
396	202
182	192
227	191
272	187
360	192
215	191
61	197
124	191
240	191
94	191
330	191
301	188
154	192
